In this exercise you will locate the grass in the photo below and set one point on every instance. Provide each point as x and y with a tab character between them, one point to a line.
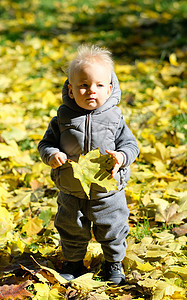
179	123
141	230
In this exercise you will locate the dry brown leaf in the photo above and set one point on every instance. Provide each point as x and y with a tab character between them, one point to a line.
126	297
13	291
181	230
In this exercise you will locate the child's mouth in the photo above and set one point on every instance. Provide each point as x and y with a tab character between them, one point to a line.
91	99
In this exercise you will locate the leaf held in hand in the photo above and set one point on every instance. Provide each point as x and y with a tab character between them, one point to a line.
94	168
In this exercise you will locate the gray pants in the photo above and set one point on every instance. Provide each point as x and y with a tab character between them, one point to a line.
109	216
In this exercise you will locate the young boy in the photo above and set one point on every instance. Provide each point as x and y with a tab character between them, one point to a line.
88	119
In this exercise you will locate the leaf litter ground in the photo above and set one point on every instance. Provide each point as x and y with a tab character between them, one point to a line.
37	41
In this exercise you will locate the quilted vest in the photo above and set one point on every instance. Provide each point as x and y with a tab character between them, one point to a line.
82	131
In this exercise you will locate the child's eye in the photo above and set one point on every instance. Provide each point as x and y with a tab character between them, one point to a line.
100	85
84	85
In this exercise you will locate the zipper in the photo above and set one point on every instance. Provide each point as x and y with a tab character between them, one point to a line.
87	133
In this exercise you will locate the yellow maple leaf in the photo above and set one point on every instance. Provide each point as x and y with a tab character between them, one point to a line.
159	166
33	226
147	267
86	282
10	150
93	168
173	59
3	194
6	221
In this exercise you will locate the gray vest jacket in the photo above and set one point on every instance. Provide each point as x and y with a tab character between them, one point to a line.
76	131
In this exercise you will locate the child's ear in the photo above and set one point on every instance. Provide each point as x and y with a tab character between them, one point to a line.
70	91
110	89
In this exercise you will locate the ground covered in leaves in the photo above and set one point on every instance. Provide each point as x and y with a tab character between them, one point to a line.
38	39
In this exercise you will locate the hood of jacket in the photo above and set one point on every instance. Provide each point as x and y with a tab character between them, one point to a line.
113	100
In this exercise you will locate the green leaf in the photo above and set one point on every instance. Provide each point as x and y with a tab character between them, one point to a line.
45	215
94	168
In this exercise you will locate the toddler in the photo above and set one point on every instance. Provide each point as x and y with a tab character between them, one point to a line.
88	119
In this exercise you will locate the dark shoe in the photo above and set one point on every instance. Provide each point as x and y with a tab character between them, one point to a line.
71	269
113	272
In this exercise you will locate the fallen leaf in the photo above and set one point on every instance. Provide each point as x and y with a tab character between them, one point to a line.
13	291
173	59
148	283
50	274
44	292
182	271
86	282
35	273
181	230
161	289
126	297
147	267
170	214
33	226
156	253
6	219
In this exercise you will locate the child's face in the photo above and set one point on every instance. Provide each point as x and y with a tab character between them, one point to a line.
91	86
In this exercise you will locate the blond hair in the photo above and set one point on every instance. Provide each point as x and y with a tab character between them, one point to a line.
89	54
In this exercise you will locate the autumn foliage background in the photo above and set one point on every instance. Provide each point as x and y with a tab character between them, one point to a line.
147	39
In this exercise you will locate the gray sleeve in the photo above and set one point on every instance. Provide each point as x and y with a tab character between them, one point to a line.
126	143
50	142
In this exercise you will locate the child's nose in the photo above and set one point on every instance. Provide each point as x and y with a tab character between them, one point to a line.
92	89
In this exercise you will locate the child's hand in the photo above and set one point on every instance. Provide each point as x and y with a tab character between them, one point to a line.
57	159
119	160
